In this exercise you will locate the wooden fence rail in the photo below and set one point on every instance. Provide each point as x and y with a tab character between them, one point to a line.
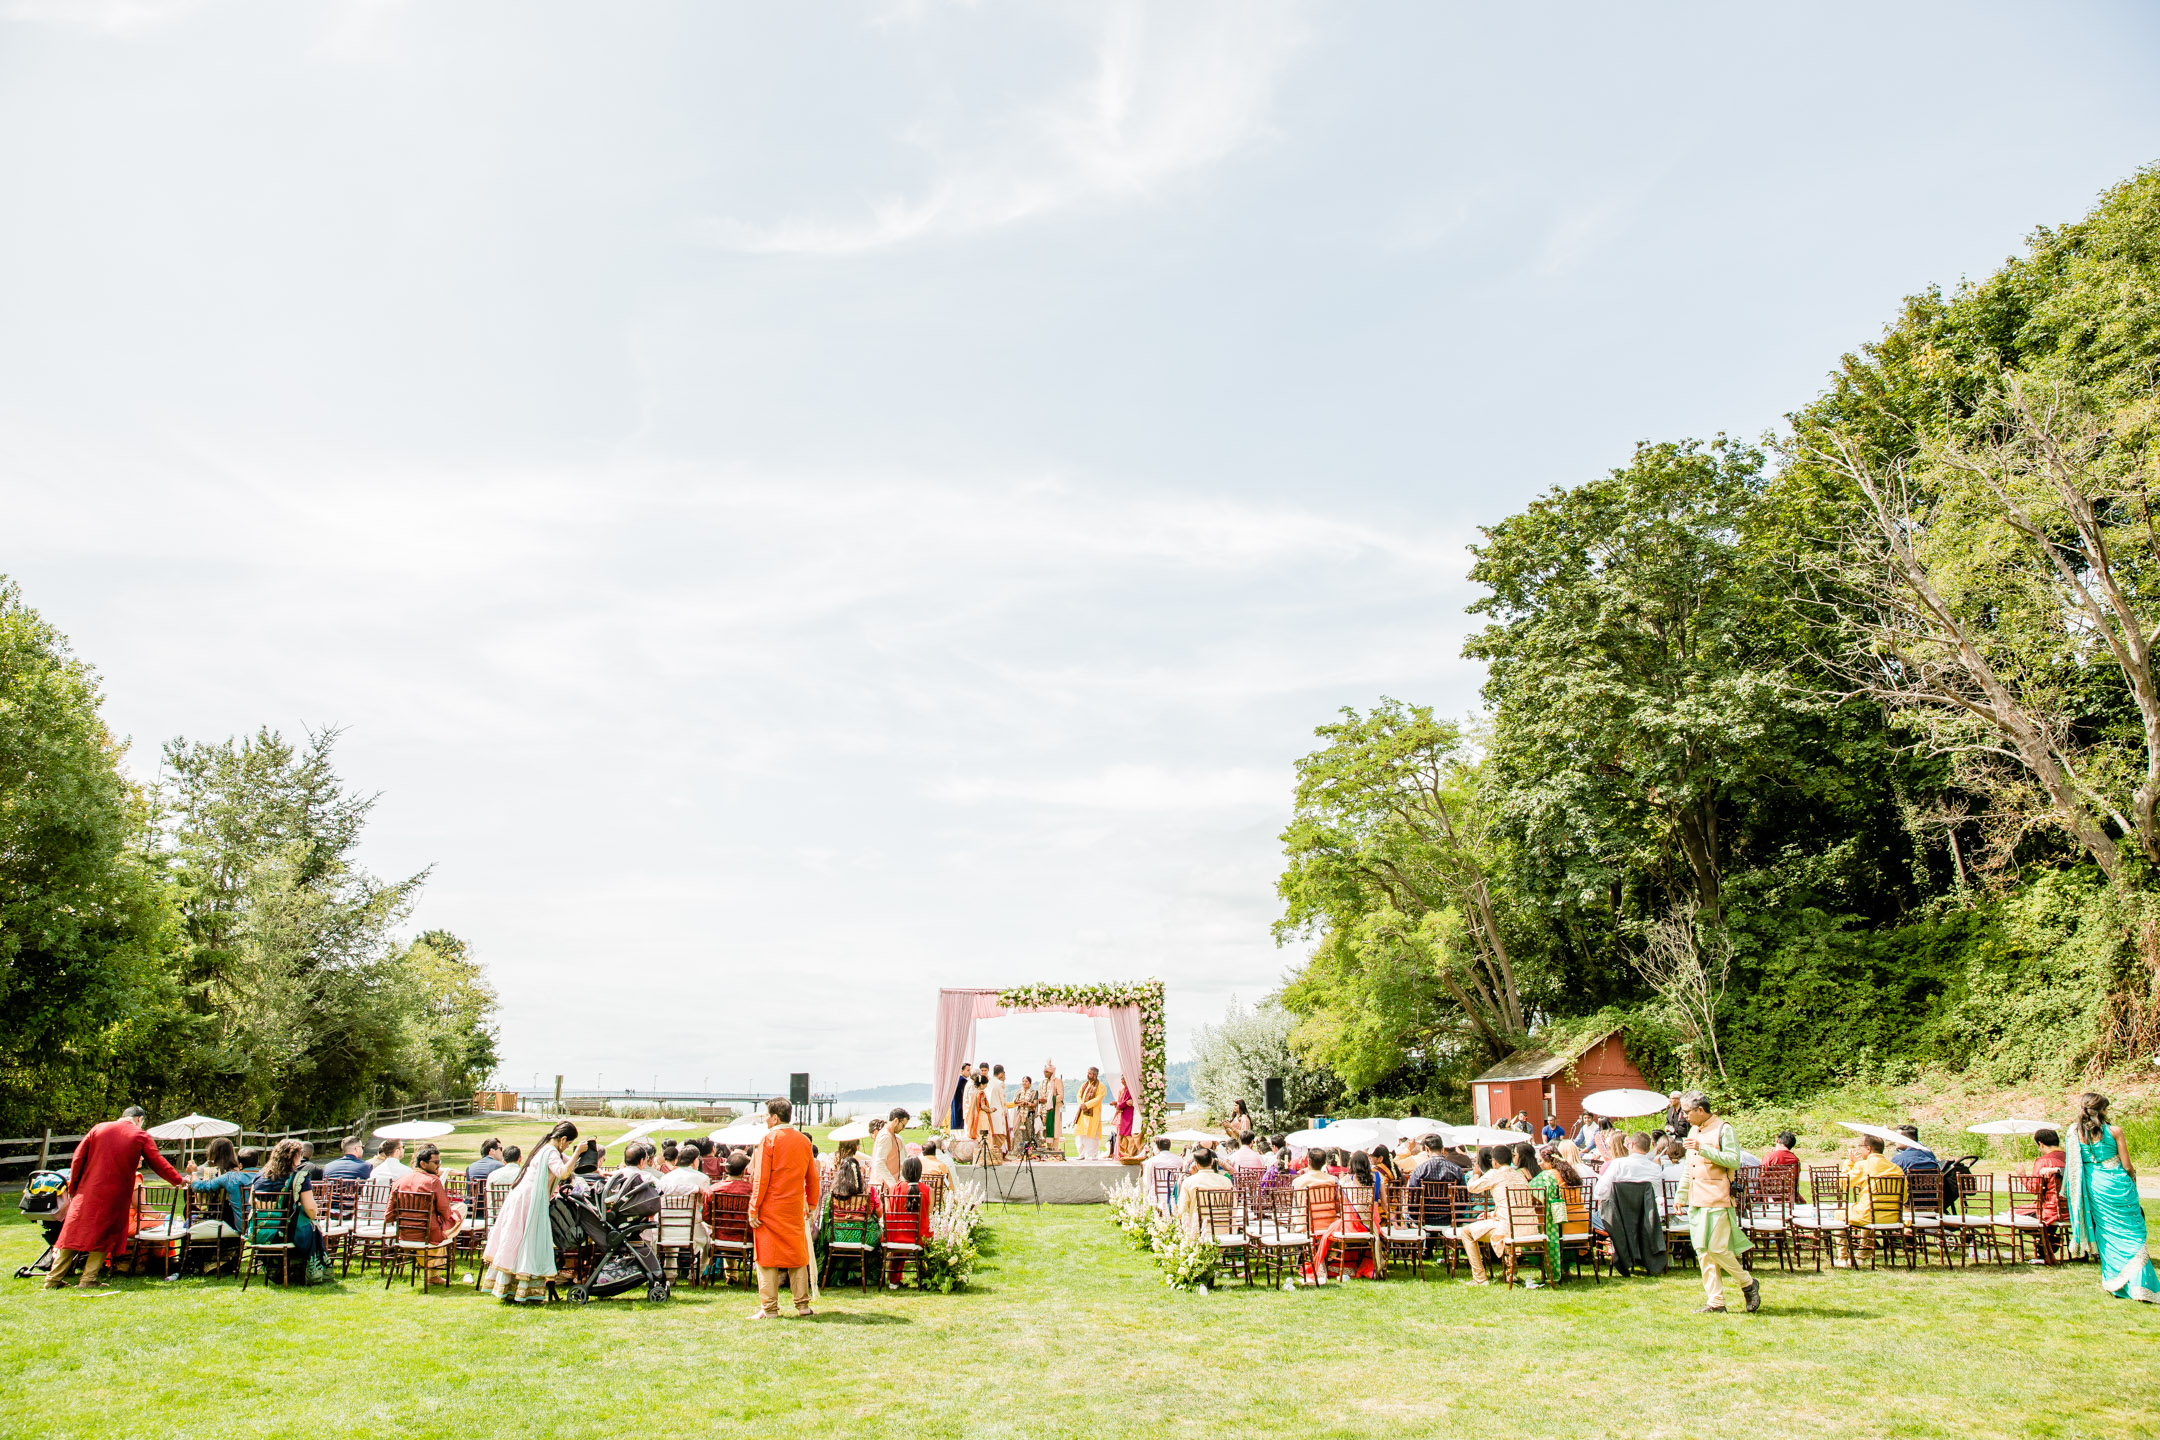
43	1152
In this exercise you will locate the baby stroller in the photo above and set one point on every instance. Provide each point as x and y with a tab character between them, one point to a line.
41	1197
614	1218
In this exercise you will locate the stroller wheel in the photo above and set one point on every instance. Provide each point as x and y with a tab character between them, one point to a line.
658	1290
579	1294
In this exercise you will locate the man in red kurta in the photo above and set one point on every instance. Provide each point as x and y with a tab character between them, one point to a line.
101	1195
782	1198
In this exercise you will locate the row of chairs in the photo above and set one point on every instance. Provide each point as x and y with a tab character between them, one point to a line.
183	1228
1954	1219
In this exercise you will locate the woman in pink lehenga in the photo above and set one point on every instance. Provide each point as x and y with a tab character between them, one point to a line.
1124	1118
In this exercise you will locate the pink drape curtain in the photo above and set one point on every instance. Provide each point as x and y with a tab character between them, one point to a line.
953	1042
1124	1025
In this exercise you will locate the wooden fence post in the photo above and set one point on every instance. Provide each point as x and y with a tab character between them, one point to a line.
44	1151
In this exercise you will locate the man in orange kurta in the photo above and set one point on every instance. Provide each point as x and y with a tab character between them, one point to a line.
781	1201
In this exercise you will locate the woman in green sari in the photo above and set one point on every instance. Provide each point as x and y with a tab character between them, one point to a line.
2105	1216
1547	1180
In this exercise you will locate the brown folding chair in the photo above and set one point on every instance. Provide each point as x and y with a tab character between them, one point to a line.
675	1234
728	1240
1320	1208
1282	1235
412	1216
1579	1239
1219	1213
372	1233
2028	1195
165	1240
1924	1215
1394	1226
1884	1227
267	1215
1526	1231
851	1234
904	1226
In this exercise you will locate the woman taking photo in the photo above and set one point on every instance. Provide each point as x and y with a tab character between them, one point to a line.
520	1251
2105	1216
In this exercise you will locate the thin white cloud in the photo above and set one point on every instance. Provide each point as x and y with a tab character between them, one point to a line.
1169	90
111	17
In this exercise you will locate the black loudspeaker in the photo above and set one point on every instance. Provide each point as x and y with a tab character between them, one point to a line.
798	1088
1274	1095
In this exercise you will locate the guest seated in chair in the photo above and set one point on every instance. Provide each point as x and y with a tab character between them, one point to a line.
350	1165
1869	1163
1782	1153
738	1177
218	1223
389	1161
476	1173
284	1175
1204	1177
446	1214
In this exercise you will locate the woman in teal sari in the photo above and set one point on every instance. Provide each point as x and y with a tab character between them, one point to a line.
2105	1216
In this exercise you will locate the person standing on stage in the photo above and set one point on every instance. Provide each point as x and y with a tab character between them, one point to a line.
960	1099
1000	1117
101	1196
1053	1105
782	1198
1087	1121
1124	1117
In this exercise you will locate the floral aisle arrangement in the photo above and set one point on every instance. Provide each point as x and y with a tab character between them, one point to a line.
1189	1262
949	1254
1133	1213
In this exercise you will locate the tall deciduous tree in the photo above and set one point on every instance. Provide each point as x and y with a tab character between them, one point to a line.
1635	696
1388	870
84	924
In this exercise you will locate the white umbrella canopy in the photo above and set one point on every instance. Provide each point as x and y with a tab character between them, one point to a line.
2011	1127
1416	1127
1487	1135
1881	1132
194	1127
738	1134
1193	1137
853	1130
1624	1104
1334	1137
416	1130
639	1132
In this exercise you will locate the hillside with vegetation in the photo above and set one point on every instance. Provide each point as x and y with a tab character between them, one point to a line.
1826	764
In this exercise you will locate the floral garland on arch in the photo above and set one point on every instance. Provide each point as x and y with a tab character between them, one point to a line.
1147	997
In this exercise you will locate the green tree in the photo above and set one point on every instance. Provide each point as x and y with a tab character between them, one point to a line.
305	1004
1387	871
1636	702
84	924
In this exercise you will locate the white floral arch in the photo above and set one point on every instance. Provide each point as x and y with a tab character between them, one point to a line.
1128	1014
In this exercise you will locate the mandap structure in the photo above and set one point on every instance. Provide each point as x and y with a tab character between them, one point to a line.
1128	1018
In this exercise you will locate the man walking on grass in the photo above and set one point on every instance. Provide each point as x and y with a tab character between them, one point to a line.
1713	1226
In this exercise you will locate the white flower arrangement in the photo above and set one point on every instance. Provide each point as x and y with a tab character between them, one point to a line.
1189	1261
949	1252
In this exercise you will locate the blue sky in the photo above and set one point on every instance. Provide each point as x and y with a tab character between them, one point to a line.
799	505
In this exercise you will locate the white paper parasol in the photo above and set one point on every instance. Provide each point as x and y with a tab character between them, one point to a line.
1881	1132
1334	1137
1193	1137
1416	1127
1624	1104
416	1130
739	1134
194	1127
2011	1127
853	1130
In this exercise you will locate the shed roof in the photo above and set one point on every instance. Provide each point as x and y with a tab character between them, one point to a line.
1536	1063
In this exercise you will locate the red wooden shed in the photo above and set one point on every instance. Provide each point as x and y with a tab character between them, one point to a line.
1549	1085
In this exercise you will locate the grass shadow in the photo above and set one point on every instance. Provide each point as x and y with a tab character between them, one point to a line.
847	1317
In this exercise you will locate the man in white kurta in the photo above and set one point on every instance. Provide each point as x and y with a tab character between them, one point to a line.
1000	1118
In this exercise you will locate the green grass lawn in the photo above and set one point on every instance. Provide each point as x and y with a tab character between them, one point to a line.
1070	1333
